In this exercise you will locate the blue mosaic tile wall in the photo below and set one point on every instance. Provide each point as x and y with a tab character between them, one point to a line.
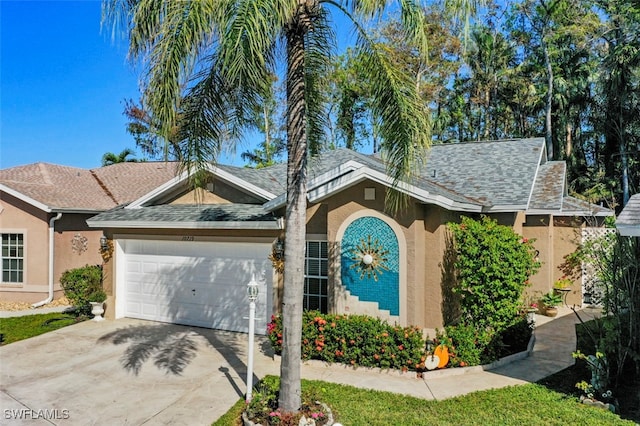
386	290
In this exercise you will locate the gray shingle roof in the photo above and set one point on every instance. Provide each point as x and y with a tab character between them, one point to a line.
272	179
572	206
330	160
509	175
630	214
548	189
494	173
190	216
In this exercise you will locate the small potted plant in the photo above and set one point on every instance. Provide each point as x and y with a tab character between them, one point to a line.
96	299
551	301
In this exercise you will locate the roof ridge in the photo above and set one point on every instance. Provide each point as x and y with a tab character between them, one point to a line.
45	174
485	141
104	187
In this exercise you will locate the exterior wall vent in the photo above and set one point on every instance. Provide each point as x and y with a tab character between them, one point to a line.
369	194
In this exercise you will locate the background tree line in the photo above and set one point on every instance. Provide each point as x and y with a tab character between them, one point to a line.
568	70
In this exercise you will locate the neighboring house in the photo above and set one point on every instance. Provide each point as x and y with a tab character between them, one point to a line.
628	222
186	256
43	213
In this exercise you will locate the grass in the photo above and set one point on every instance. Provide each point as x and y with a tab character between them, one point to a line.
551	401
517	405
20	328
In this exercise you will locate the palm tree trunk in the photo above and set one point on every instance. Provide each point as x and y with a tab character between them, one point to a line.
267	134
548	131
568	148
295	220
624	163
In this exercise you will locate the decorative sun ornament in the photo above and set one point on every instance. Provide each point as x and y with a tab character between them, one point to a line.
369	258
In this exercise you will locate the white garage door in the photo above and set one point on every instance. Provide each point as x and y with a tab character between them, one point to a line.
196	283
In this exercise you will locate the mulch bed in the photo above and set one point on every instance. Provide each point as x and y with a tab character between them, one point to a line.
6	305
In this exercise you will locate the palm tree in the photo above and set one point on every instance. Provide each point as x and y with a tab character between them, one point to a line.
224	53
111	158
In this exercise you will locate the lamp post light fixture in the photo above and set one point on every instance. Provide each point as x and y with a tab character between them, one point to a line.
252	292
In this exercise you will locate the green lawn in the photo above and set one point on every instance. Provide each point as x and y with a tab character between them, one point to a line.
530	404
19	328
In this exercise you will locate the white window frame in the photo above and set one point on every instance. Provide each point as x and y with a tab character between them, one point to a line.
21	270
322	278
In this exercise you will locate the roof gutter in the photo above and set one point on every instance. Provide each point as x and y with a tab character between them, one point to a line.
132	224
51	253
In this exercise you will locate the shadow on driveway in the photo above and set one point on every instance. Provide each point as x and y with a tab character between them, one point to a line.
171	348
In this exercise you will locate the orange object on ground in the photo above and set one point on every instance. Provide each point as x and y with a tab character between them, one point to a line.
442	352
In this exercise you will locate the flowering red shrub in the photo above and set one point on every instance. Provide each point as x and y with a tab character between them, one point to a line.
355	339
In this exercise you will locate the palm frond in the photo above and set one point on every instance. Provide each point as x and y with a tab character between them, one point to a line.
402	118
319	44
116	14
462	11
247	48
208	123
172	34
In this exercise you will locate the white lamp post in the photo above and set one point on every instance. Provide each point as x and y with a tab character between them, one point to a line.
252	292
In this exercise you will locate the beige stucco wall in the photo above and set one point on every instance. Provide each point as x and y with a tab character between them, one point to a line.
538	228
555	238
221	193
567	238
20	217
428	302
72	228
438	267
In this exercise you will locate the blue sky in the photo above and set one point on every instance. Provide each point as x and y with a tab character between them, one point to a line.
63	82
62	85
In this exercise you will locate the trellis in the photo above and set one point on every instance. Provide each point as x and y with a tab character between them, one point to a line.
592	288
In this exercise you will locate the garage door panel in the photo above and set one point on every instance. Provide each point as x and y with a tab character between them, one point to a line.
196	283
150	309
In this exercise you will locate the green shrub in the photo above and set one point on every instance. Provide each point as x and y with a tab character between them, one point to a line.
493	265
469	345
358	340
83	285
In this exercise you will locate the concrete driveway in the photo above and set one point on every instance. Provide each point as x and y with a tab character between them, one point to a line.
126	372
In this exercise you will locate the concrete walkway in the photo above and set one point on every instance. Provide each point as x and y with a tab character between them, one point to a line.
144	373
